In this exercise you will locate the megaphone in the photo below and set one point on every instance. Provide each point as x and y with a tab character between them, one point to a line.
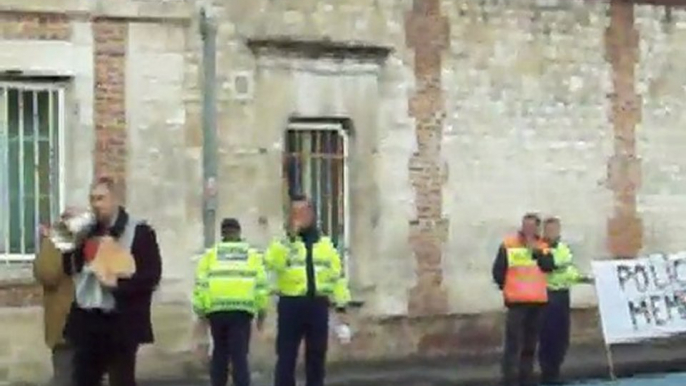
65	232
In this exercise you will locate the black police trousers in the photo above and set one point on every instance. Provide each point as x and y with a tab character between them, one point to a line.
302	318
231	343
521	338
554	336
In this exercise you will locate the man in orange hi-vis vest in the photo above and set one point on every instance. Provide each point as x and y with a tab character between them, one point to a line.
519	271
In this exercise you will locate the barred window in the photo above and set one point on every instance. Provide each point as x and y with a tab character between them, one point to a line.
30	165
316	165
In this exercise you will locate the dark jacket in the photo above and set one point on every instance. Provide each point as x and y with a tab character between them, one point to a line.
544	260
131	319
311	236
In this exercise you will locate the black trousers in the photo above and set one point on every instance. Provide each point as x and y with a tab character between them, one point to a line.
302	318
521	338
62	365
554	337
231	344
100	349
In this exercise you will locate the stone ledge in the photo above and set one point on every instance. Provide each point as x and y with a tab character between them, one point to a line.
16	274
380	346
585	361
18	288
182	11
317	48
17	282
20	294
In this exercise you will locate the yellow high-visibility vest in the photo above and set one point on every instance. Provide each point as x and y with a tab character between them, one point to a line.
287	258
230	277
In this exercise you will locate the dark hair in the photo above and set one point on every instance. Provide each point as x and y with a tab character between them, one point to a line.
532	216
299	198
551	220
230	224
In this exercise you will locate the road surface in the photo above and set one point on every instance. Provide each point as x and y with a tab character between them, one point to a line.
653	380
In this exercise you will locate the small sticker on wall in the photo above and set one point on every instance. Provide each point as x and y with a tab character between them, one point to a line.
242	85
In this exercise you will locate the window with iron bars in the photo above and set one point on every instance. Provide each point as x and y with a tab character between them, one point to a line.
316	165
30	165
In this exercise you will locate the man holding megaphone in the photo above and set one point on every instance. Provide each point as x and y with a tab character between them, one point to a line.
116	267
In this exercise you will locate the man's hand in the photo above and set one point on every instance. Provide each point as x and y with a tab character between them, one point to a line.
294	228
201	345
531	244
202	351
68	213
343	333
108	281
342	317
43	230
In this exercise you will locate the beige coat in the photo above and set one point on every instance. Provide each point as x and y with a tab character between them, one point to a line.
58	291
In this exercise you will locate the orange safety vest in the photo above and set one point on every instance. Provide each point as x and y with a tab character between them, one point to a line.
524	281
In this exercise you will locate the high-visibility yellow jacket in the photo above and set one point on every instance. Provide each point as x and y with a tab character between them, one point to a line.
565	273
230	277
287	259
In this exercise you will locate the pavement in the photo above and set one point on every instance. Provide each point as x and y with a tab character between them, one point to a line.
584	364
655	380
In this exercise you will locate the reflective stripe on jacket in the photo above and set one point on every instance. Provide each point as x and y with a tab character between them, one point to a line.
565	274
524	281
230	277
288	261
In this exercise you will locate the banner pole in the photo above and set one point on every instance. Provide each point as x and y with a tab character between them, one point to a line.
608	351
608	346
610	362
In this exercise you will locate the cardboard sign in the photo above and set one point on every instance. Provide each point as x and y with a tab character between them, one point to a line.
112	260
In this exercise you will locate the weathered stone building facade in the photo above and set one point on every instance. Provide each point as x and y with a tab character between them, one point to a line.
456	117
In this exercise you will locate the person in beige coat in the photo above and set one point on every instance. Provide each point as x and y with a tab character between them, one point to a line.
58	294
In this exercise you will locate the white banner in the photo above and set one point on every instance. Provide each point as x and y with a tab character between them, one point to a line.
642	298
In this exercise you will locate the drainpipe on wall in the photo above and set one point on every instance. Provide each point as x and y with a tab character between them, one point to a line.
208	31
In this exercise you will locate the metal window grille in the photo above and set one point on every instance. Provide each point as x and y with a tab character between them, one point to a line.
316	164
31	125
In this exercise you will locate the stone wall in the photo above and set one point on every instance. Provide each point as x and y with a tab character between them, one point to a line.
658	76
527	130
464	115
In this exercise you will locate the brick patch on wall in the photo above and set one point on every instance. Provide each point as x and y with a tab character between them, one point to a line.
110	38
427	32
625	228
22	26
20	294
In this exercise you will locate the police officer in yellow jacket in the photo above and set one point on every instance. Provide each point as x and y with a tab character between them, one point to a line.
555	327
231	289
309	280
